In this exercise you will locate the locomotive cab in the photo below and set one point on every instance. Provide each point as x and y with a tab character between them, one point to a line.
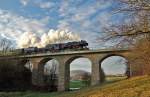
83	42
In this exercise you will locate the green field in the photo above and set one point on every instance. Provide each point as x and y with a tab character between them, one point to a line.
78	84
133	87
82	84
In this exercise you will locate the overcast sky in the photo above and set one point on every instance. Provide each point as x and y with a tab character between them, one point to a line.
83	17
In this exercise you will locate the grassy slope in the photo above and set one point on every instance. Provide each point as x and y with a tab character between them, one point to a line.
134	87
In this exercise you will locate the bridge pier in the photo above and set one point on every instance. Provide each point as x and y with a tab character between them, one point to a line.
95	74
64	75
37	73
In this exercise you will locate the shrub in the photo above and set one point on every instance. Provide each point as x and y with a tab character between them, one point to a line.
14	78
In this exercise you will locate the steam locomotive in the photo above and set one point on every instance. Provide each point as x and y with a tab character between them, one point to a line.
58	47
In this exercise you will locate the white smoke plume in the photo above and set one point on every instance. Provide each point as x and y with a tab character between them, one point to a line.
30	39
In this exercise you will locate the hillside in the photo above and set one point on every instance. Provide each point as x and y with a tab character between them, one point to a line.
78	74
134	87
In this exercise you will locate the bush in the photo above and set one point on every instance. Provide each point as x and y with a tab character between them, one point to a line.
14	78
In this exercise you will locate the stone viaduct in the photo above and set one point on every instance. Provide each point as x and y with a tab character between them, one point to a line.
65	58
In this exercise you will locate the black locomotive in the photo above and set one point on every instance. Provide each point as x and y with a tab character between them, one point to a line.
70	45
58	47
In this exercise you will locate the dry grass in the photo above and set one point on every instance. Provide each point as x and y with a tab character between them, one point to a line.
134	87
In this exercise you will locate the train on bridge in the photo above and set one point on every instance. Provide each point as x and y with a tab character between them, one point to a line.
58	47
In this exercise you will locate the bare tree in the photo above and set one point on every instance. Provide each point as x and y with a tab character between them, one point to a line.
5	45
141	56
135	33
86	77
138	11
53	70
51	76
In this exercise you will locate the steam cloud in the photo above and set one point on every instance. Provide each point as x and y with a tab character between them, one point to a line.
30	39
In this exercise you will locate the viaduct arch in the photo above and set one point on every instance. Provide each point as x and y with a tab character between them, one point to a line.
125	57
64	59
